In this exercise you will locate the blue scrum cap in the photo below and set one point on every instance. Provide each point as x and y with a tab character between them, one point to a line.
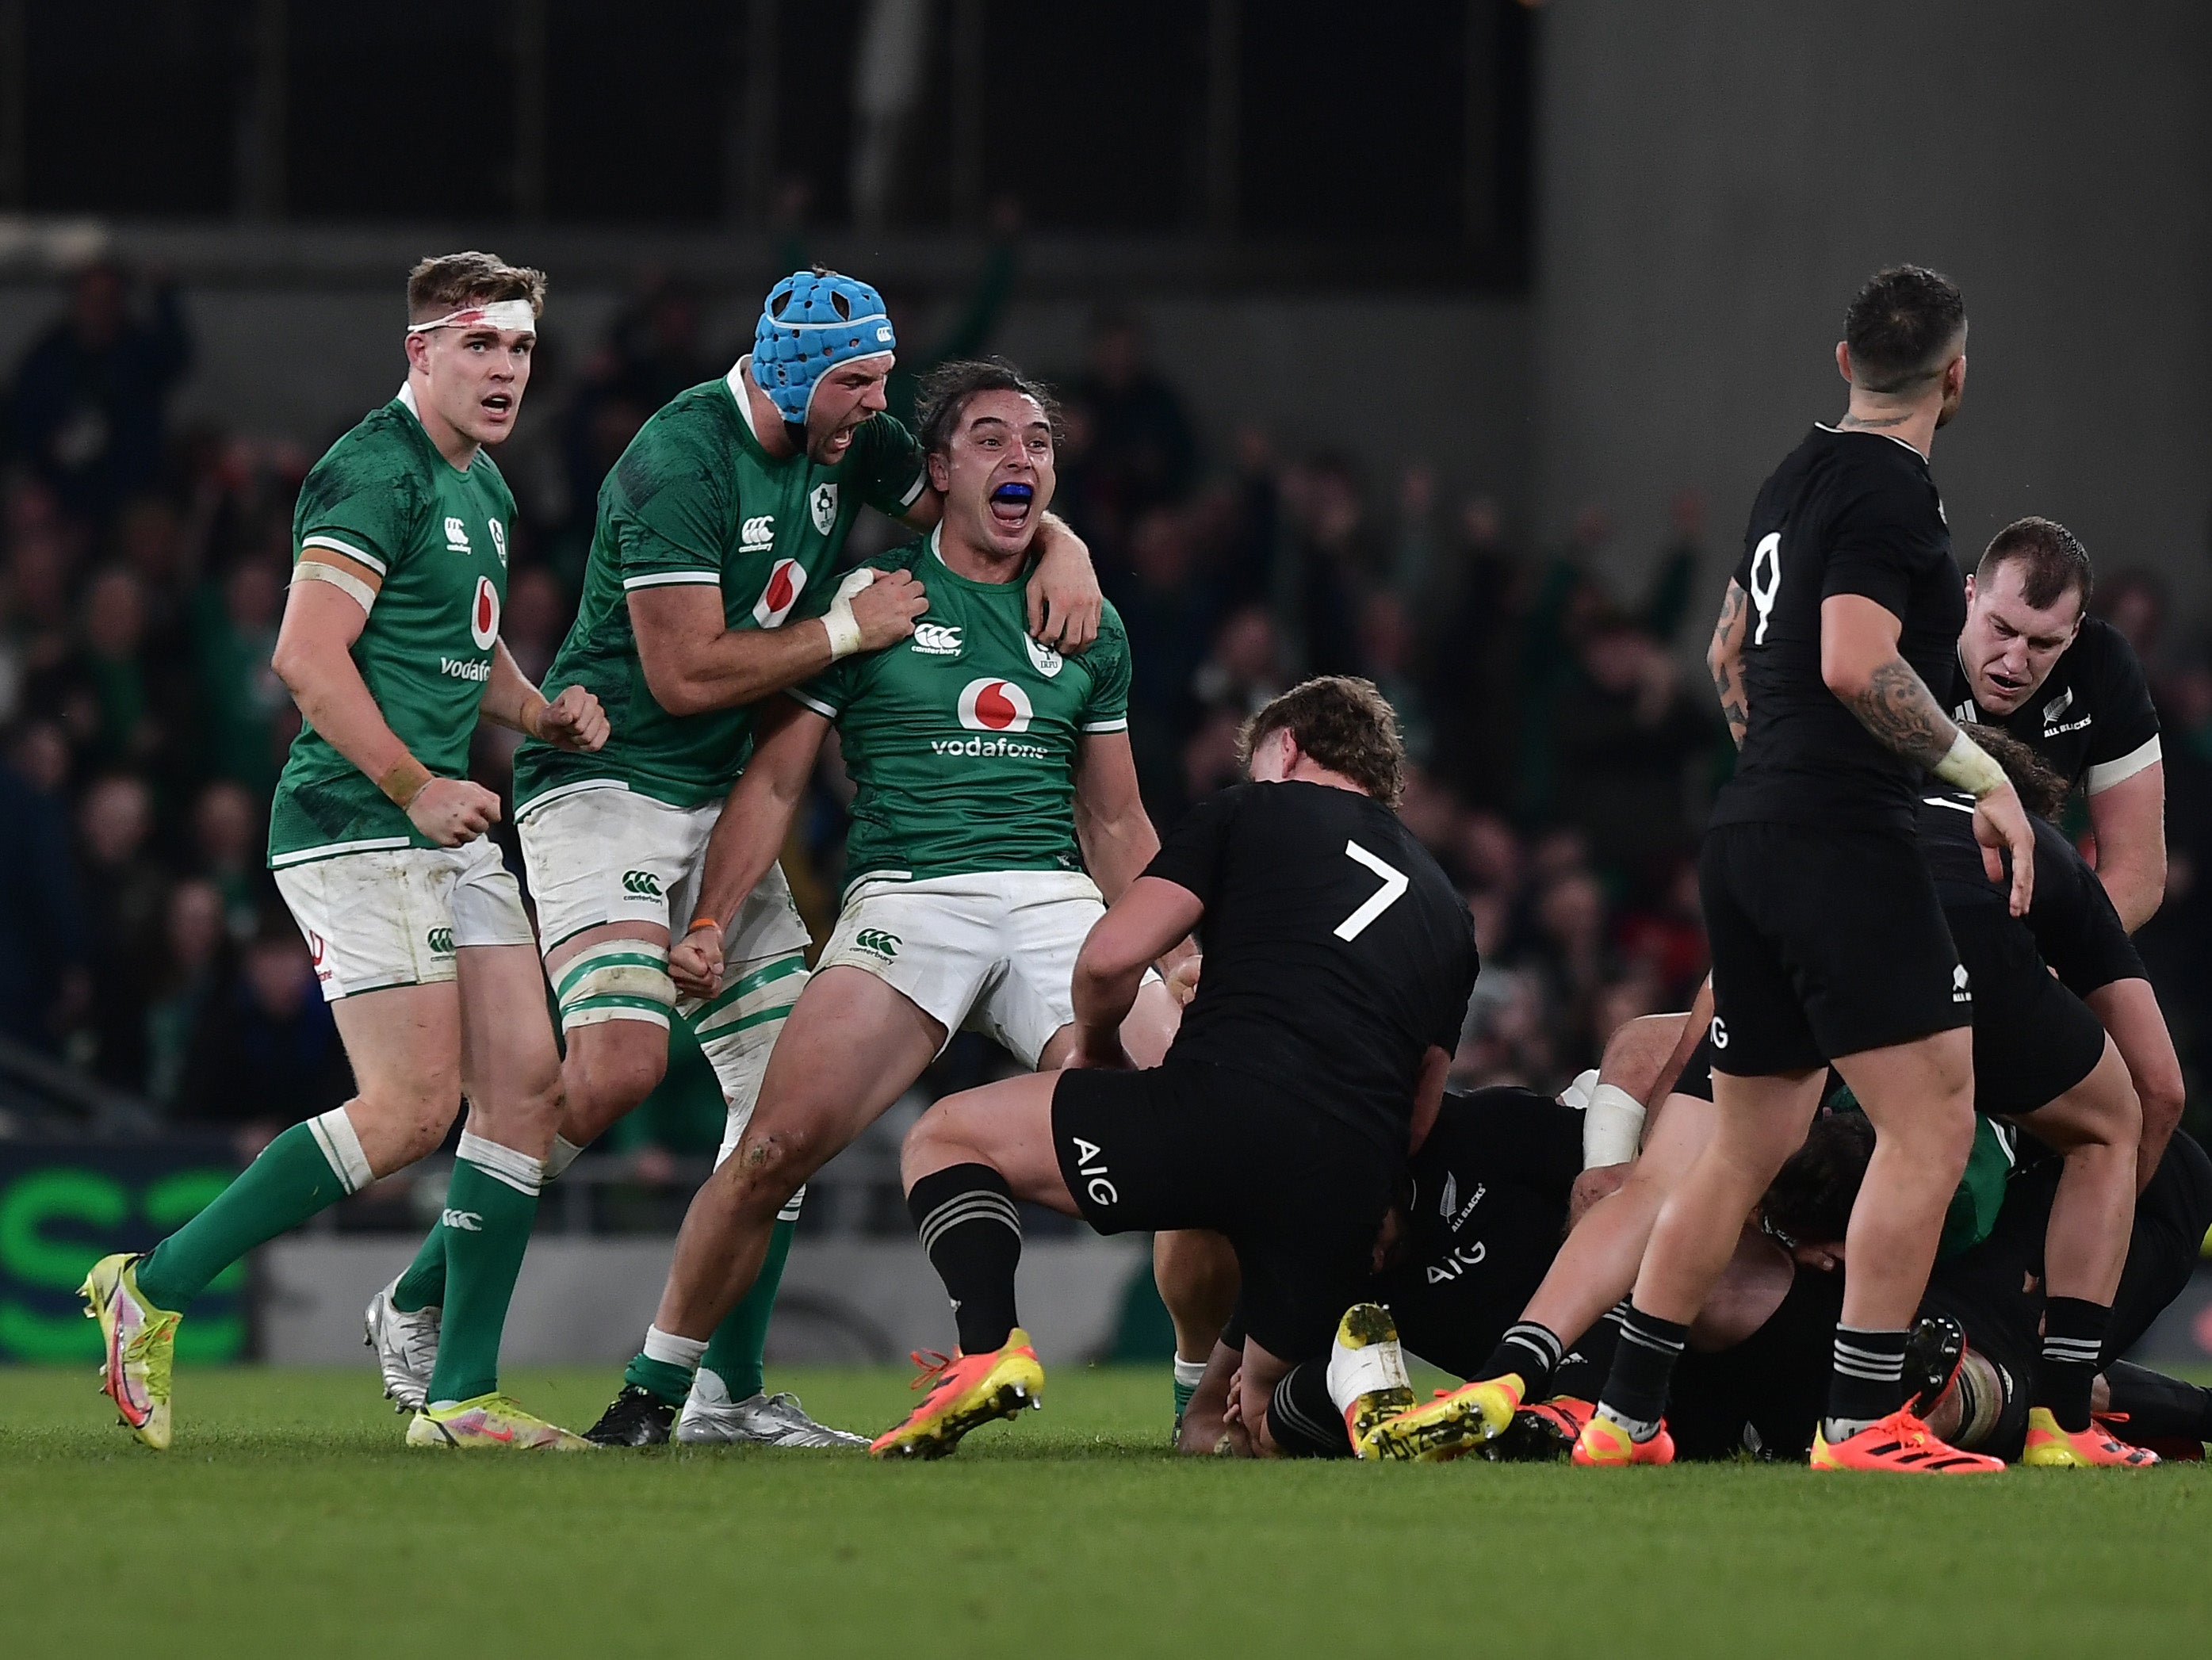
812	322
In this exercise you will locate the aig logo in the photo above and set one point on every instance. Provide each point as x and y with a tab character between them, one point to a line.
756	533
785	584
1090	1163
995	706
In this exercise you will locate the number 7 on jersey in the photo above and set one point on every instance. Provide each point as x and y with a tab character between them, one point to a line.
1394	884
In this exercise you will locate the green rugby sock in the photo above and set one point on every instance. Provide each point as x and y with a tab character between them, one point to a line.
490	1206
423	1284
309	1168
738	1352
662	1368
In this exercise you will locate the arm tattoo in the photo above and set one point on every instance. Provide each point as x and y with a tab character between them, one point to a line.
1899	710
1724	661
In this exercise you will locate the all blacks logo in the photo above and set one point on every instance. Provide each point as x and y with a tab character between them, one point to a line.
483	615
995	706
785	584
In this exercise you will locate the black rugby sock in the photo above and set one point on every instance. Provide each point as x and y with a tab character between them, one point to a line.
972	1235
2073	1337
1303	1419
2157	1407
1531	1350
1635	1394
1867	1382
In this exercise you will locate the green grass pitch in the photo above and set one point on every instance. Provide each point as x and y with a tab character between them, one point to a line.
288	1520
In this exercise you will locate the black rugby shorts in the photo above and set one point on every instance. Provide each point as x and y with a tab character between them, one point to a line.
2033	1039
1824	942
1301	1197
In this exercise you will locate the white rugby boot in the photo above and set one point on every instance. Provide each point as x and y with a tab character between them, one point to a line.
406	1348
712	1419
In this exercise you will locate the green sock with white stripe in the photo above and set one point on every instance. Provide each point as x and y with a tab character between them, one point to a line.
424	1284
490	1206
309	1168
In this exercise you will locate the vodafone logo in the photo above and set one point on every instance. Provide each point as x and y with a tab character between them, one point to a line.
995	706
785	584
483	615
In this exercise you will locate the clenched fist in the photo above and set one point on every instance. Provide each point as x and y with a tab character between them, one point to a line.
573	720
452	810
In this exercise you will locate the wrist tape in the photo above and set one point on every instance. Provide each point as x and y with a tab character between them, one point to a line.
844	632
1613	1124
1970	768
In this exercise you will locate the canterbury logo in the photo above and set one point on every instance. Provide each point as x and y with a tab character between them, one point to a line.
883	945
642	883
440	941
457	536
462	1221
937	639
757	533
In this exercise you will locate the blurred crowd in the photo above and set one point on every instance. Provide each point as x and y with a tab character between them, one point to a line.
1563	755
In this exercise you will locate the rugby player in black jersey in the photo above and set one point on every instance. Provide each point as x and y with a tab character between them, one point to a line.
1338	961
1828	942
1492	1191
1754	1367
2032	661
2041	1059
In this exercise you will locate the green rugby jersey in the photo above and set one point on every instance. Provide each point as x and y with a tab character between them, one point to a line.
437	536
695	499
963	740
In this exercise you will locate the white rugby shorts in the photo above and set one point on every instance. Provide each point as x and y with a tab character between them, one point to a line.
395	916
599	852
993	952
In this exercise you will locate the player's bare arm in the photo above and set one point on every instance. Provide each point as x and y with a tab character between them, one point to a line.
1724	660
573	720
1859	664
695	662
1114	829
1151	916
2129	820
2128	1010
314	659
747	837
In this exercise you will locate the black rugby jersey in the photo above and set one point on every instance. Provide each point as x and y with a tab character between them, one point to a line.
2076	930
1337	953
1488	1213
1846	512
2092	715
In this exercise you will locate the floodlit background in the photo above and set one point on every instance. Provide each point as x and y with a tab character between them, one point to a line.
1444	341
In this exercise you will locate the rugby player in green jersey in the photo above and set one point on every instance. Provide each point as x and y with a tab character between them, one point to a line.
997	803
710	585
389	644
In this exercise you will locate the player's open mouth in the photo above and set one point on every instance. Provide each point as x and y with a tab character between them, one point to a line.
499	404
1010	501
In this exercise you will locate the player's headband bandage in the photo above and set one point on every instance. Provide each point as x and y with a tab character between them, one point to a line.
509	316
810	326
616	980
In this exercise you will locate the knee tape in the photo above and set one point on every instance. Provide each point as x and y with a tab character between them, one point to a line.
616	980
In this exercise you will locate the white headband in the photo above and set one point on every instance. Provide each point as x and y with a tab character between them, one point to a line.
514	315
